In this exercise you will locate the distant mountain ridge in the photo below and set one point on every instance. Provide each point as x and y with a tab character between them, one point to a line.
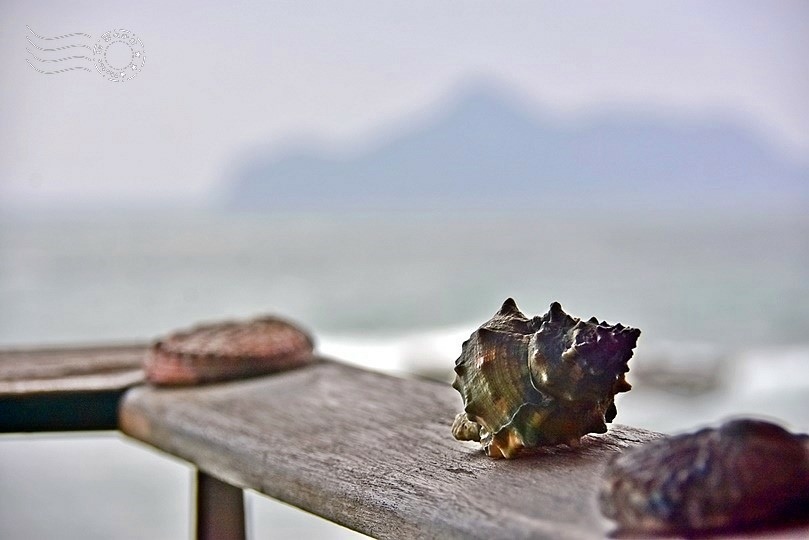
487	150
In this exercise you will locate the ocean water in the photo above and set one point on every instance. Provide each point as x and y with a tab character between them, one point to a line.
723	302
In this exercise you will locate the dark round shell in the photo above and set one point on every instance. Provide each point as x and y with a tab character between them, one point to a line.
542	381
744	474
227	350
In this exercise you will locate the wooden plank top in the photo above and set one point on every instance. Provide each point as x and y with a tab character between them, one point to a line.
374	453
70	370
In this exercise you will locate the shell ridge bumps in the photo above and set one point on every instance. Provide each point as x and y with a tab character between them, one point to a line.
546	380
214	352
742	475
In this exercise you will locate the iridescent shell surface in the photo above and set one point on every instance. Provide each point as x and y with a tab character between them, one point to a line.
744	474
528	382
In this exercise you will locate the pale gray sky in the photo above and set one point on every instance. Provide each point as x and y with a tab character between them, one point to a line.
224	77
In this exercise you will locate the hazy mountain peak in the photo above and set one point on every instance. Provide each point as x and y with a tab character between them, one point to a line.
486	147
483	95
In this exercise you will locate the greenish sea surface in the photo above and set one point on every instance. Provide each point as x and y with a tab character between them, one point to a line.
723	302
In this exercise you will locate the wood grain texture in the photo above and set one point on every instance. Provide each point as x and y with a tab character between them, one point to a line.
374	453
66	389
78	369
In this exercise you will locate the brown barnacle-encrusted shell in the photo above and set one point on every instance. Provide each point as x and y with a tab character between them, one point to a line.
539	381
227	350
744	474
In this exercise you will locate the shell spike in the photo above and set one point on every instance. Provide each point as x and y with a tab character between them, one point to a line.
509	306
555	312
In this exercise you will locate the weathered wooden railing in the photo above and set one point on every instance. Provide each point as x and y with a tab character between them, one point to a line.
66	389
362	449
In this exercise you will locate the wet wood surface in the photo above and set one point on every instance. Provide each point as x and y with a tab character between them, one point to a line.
374	453
72	388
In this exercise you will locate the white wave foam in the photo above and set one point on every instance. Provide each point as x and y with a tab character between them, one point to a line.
411	352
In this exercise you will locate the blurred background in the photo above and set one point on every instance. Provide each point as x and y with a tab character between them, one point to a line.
387	174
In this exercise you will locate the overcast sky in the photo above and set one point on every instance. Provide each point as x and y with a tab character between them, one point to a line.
222	78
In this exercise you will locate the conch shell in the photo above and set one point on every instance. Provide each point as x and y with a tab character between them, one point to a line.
537	382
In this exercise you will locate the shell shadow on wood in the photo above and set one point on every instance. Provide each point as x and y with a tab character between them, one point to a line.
541	381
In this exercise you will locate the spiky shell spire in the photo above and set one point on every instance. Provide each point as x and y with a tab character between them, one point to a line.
542	381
